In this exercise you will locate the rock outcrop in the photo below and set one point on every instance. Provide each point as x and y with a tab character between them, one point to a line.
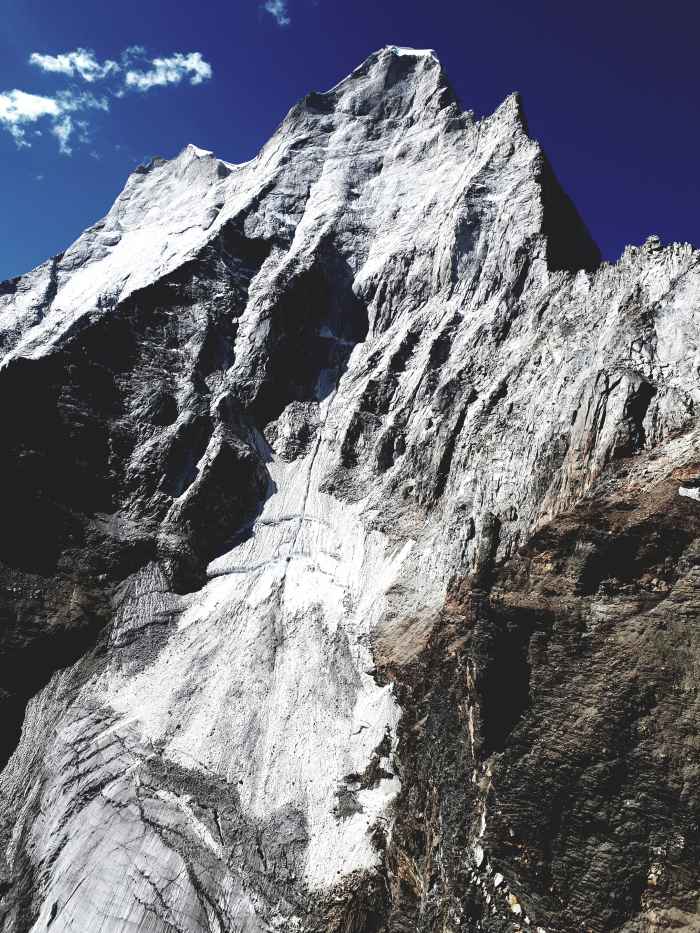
350	566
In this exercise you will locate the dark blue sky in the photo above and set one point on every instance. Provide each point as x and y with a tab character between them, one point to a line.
610	90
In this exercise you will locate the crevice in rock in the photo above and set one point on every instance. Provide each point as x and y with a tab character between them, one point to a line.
185	451
445	464
313	327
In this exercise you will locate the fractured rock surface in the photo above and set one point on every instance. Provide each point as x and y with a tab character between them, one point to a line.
349	576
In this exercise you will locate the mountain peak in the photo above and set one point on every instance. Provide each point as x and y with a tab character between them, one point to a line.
390	134
410	52
392	82
511	111
196	152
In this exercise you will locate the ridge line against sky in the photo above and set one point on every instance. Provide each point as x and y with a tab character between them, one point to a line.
610	92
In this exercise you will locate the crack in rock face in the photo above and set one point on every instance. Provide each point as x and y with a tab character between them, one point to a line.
349	575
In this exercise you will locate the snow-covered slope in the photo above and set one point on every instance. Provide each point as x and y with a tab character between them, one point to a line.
260	422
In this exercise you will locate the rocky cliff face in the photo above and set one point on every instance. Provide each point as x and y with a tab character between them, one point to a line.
350	562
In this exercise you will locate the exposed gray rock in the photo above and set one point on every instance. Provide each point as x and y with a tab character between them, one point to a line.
316	471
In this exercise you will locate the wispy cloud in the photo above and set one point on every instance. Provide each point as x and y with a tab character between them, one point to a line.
171	70
133	72
81	63
279	10
62	130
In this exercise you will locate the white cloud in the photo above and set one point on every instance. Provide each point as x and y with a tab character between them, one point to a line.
19	109
156	72
171	70
81	63
279	10
133	72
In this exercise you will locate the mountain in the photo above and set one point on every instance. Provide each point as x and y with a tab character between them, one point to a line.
350	562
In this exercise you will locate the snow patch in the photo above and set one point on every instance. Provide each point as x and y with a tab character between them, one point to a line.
412	53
